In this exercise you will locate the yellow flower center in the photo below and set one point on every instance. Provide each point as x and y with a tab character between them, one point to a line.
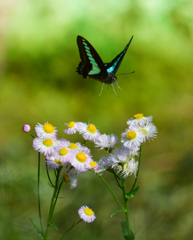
88	211
56	161
70	124
131	135
81	157
93	164
145	132
48	142
63	151
48	128
91	128
66	178
138	116
73	146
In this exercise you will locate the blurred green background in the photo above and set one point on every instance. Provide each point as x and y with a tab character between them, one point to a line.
38	83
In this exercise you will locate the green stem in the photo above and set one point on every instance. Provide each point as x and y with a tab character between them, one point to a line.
52	185
111	191
31	135
137	171
127	209
74	224
56	198
39	207
53	202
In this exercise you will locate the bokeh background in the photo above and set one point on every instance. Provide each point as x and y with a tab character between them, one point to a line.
38	83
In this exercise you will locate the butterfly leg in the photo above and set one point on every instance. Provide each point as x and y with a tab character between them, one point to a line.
101	90
119	87
114	89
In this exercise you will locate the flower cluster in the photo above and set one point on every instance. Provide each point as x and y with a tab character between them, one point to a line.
74	158
122	160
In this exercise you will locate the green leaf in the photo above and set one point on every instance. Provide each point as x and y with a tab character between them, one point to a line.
125	232
132	194
53	225
39	231
115	211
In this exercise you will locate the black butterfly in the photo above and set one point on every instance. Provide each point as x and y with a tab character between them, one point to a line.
92	66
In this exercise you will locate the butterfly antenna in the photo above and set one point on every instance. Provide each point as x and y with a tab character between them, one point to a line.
109	87
114	89
119	86
101	90
125	73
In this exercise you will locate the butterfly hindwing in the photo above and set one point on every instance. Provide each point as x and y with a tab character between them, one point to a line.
91	64
113	66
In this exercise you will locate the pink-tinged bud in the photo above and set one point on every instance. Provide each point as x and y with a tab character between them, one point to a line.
26	128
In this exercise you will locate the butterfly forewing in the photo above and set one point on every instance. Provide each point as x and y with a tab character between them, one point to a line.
91	65
113	66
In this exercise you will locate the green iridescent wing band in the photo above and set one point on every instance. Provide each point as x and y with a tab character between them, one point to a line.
113	66
91	64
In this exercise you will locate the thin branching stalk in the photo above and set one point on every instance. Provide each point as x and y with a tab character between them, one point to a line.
53	201
73	225
127	209
111	191
137	171
39	207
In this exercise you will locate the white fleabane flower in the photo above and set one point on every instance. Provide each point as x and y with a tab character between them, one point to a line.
46	146
139	120
86	214
104	163
80	161
72	127
62	153
94	165
89	132
53	163
126	153
129	168
149	131
79	147
70	177
46	131
132	137
106	141
120	156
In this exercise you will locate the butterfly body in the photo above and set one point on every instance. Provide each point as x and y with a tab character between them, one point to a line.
92	66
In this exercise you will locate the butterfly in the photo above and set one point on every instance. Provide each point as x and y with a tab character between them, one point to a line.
92	66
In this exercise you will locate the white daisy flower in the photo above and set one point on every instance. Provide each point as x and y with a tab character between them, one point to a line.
78	146
94	165
129	168
149	131
132	137
46	131
139	120
70	177
62	153
80	161
72	127
106	141
46	146
53	163
26	128
89	132
104	163
125	153
86	214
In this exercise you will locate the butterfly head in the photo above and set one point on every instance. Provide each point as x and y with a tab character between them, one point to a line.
111	78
